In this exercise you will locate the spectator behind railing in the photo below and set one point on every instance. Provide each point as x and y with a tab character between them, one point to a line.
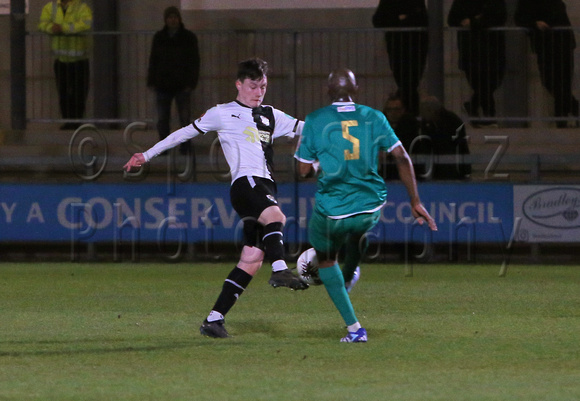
443	133
406	127
407	49
173	72
66	21
405	124
481	52
554	49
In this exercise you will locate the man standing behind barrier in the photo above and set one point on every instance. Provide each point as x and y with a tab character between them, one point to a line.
346	139
554	49
173	71
407	49
481	52
67	22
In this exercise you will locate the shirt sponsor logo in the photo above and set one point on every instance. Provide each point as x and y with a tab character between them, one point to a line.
345	109
255	135
264	136
252	134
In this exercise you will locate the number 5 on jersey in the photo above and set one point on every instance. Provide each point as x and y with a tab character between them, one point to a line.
355	154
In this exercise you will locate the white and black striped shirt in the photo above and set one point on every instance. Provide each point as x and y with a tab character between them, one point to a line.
245	134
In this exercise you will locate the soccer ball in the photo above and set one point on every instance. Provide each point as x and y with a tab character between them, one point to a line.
307	267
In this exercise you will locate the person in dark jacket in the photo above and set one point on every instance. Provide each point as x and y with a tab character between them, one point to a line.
173	71
407	49
481	51
443	133
406	127
554	48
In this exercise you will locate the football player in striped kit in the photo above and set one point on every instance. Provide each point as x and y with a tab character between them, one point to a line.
246	130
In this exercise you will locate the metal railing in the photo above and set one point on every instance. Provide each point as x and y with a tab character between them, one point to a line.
300	62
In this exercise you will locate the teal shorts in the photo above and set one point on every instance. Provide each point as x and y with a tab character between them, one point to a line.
327	236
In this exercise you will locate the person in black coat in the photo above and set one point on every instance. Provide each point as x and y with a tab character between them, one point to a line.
406	127
173	71
407	50
443	133
481	51
554	49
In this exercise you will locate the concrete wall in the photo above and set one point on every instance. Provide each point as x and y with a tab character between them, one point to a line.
4	74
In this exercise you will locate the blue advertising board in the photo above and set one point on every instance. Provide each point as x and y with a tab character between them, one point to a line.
94	212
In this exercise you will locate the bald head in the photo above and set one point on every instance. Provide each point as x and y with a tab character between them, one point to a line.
342	85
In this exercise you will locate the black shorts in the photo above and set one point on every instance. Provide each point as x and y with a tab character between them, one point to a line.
250	196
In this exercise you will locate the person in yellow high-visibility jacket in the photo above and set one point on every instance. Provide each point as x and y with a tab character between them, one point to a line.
67	21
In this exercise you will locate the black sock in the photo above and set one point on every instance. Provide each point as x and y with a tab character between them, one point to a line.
273	242
234	285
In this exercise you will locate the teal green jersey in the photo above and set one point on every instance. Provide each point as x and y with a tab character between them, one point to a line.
346	139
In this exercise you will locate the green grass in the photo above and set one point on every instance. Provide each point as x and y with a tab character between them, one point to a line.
130	332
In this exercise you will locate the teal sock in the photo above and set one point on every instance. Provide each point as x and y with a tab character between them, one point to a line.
334	284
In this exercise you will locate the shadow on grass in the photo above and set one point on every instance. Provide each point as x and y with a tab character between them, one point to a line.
320	332
89	348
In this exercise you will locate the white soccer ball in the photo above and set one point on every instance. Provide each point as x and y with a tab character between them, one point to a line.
307	267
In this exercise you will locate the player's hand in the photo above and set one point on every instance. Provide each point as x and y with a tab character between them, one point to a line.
137	160
422	215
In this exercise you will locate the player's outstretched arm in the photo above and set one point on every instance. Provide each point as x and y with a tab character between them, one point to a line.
407	175
137	160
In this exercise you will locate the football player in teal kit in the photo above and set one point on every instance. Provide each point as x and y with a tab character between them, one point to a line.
345	138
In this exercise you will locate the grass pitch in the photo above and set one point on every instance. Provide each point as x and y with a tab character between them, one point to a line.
75	331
